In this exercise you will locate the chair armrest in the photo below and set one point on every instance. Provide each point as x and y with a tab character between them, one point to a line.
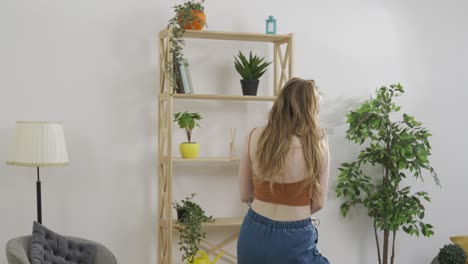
17	250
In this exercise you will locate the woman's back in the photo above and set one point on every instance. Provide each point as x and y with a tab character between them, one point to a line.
287	198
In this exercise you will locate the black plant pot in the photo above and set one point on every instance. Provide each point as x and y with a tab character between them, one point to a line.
181	214
249	87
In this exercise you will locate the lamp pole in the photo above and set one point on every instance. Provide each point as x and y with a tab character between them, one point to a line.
38	194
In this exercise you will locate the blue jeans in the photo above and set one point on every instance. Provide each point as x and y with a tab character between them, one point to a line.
265	241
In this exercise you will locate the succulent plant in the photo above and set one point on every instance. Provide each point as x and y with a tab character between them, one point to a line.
451	254
252	68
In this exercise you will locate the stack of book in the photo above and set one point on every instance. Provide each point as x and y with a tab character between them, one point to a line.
183	79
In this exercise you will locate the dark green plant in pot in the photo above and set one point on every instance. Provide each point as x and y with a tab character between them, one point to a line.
400	148
451	254
185	15
192	217
250	70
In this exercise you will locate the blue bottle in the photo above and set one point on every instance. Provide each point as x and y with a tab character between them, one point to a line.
271	25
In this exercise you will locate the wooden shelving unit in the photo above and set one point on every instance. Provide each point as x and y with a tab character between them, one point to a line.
233	36
228	221
224	97
214	159
165	159
282	72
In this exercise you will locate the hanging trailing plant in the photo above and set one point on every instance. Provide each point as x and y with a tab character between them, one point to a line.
401	149
188	15
191	221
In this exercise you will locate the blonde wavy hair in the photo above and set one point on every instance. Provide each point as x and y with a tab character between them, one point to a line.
294	113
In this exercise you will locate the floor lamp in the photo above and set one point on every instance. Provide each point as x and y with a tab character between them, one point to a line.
38	144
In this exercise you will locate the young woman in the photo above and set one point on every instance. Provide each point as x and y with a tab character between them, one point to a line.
283	174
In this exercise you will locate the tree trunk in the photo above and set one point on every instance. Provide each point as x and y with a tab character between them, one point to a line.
387	165
386	232
377	242
385	246
393	248
189	134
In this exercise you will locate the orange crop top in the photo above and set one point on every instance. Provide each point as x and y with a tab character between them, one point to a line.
291	194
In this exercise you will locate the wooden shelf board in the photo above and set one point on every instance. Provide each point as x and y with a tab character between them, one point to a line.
211	159
236	36
219	222
224	97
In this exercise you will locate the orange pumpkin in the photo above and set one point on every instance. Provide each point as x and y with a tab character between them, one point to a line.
199	20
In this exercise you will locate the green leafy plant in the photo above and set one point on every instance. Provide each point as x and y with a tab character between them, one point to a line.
191	223
451	254
252	68
183	16
187	121
400	149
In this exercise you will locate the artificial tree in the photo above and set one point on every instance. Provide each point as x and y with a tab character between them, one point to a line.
401	149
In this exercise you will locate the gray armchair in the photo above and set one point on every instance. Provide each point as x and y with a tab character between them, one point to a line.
17	251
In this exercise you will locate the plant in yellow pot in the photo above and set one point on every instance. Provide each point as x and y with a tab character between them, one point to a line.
188	121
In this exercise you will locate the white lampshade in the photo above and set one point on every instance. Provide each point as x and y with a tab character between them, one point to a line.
38	144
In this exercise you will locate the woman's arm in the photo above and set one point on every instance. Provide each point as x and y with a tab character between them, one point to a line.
246	187
318	203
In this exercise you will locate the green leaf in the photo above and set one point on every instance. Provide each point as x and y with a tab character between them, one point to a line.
357	192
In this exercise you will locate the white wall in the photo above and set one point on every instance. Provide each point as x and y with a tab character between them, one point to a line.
93	66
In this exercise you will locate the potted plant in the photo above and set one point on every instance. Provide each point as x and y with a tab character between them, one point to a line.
188	121
188	15
401	149
451	254
191	218
250	70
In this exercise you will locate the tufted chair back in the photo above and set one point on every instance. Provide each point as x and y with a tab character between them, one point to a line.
17	250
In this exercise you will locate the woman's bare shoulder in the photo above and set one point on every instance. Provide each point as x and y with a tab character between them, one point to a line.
256	131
